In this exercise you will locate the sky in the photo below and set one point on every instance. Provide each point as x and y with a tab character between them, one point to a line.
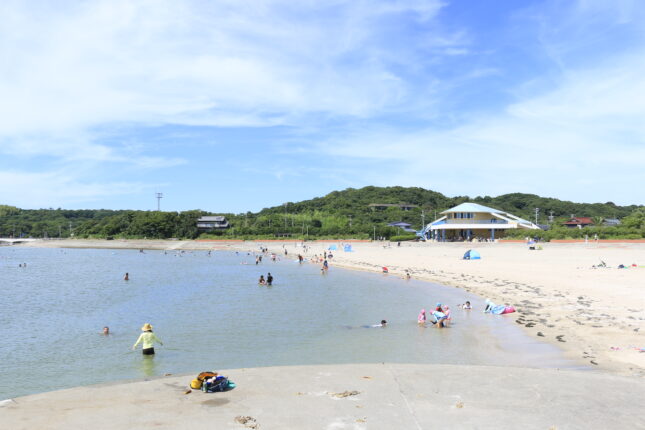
231	106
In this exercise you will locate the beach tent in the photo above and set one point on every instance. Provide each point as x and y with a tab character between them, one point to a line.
348	248
332	248
472	255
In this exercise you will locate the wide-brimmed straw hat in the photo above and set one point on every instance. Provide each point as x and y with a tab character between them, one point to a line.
146	327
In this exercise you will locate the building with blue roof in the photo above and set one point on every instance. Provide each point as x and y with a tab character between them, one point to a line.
469	221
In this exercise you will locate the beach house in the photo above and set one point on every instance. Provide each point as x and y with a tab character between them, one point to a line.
469	221
403	226
580	222
207	223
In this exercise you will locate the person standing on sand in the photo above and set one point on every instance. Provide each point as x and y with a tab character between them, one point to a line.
148	338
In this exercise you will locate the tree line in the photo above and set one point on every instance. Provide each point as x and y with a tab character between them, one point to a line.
340	214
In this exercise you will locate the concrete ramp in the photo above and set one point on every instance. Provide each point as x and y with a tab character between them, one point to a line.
355	396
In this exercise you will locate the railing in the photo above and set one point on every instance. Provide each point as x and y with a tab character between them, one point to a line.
476	221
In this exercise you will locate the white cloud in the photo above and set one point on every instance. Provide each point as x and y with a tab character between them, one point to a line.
582	140
70	68
49	189
216	62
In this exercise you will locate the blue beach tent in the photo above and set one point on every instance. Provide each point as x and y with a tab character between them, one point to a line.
348	248
332	248
472	255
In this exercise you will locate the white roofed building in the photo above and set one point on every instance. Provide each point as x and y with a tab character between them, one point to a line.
212	223
469	221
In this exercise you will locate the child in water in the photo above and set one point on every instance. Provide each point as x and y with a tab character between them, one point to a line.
421	319
261	281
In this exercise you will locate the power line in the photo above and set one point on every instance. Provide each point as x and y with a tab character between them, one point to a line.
159	197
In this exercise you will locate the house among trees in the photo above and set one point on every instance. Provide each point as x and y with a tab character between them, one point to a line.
382	206
469	221
402	225
209	223
611	222
579	222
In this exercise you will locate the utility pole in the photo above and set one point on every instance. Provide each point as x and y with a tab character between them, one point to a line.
551	218
350	221
423	219
537	210
159	197
70	229
374	233
59	231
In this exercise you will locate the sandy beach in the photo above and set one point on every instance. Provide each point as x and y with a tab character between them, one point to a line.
596	316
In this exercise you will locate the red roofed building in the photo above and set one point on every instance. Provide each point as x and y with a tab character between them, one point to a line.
581	221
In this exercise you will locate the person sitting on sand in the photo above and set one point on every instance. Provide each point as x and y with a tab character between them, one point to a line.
148	338
262	281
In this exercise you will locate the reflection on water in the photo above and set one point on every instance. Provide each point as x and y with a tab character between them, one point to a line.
211	314
148	367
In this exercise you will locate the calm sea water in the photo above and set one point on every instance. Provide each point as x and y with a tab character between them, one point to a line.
211	314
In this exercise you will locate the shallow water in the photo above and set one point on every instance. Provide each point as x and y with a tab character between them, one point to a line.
211	314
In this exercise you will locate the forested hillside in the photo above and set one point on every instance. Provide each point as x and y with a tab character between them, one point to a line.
348	213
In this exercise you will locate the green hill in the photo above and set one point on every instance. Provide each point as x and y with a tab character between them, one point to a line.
357	213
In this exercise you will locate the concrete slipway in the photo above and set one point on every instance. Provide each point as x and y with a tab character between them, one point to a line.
354	396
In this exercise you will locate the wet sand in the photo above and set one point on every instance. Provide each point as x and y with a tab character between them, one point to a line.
596	316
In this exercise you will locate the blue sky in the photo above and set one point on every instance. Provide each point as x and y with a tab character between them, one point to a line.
230	106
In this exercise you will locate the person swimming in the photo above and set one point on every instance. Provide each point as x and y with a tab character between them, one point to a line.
126	277
106	330
262	281
467	306
383	324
